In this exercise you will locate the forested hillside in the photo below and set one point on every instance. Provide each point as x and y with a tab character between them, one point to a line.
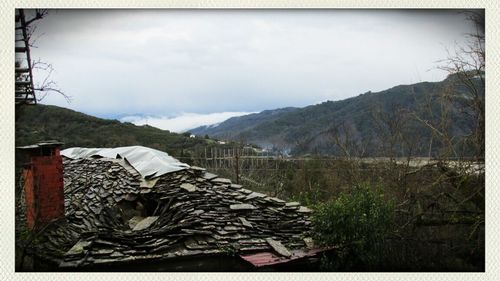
398	121
44	122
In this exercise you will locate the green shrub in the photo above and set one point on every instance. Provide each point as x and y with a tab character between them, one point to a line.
357	223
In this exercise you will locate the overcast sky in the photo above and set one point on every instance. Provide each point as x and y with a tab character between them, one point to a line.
177	69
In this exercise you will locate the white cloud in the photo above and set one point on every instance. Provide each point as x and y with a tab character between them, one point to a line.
153	62
182	122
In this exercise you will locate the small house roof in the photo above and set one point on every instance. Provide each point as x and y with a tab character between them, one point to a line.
113	218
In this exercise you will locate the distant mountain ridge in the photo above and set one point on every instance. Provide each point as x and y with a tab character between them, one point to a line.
377	123
228	128
364	120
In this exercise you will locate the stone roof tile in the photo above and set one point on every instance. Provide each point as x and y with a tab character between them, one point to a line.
187	212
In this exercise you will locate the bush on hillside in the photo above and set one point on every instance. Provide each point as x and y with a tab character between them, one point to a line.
357	223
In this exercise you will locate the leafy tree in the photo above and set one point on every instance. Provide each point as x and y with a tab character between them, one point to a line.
357	223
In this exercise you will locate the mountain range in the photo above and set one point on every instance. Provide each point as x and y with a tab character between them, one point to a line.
406	119
403	120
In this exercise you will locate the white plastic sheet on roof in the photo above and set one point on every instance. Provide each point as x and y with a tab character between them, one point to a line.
147	161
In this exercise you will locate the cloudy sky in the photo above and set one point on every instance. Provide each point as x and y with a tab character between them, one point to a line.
178	69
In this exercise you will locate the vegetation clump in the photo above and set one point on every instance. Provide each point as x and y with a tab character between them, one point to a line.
356	222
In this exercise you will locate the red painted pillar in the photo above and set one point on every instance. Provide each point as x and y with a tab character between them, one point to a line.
43	183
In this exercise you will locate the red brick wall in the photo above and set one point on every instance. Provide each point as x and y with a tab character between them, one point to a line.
29	197
44	189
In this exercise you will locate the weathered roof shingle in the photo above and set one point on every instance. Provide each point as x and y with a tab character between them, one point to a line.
111	217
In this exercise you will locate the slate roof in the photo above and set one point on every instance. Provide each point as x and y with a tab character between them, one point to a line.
114	216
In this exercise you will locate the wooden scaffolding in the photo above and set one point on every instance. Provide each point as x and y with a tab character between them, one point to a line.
24	89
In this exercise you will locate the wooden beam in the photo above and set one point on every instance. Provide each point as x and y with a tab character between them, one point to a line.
23	83
22	70
25	101
20	49
25	98
21	93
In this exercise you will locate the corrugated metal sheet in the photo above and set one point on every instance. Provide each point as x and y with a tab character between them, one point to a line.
262	259
269	258
147	161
